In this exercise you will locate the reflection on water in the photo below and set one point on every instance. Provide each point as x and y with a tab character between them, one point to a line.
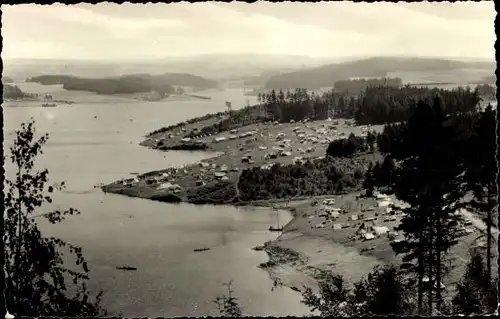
97	143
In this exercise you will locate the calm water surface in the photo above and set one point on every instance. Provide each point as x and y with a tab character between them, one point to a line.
95	141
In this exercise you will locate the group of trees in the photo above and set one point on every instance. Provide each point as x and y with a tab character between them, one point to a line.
382	292
13	92
121	85
116	85
133	83
432	161
487	91
387	291
386	104
357	86
300	104
349	146
312	178
374	104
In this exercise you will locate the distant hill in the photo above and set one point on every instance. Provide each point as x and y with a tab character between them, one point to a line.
134	83
211	66
6	79
261	79
327	75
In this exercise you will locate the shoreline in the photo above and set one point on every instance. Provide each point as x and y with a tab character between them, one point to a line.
256	139
312	242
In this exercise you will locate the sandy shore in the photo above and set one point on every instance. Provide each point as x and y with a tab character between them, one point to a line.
329	249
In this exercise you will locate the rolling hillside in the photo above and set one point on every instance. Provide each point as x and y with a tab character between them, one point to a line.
326	75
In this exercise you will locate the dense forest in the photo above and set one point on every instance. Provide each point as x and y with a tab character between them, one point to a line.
135	83
432	161
384	104
312	178
375	105
120	85
357	86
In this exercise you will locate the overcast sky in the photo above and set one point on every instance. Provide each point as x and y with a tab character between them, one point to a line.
128	31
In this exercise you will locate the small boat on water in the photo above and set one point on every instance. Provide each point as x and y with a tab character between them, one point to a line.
201	249
275	228
126	268
49	105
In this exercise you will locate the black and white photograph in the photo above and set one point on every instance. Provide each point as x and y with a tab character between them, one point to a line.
249	159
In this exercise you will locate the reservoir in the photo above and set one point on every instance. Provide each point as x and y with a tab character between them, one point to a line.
95	141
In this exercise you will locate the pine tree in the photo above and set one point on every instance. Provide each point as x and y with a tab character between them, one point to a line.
427	179
382	292
228	305
369	182
481	173
476	292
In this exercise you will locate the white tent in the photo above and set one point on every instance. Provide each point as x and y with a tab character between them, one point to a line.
369	236
380	230
334	214
384	203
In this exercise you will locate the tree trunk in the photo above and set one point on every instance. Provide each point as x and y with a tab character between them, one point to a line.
421	271
488	236
431	273
438	260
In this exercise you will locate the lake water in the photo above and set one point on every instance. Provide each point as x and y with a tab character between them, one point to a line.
96	142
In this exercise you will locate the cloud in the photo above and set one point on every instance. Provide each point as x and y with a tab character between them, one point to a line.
315	29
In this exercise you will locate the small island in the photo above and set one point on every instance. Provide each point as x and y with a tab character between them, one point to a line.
136	86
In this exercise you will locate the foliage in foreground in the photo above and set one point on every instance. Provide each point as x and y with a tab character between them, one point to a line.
382	292
36	277
228	304
476	293
386	291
